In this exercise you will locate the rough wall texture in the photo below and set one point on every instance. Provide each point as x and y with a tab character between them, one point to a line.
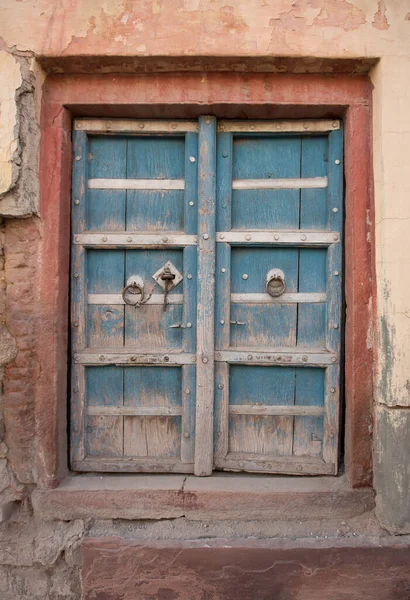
121	35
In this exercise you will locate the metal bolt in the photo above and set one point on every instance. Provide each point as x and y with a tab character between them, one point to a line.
334	359
335	124
205	360
336	237
75	390
78	158
248	237
189	325
165	239
305	125
278	126
252	127
220	386
279	358
191	203
75	323
186	434
76	201
222	322
205	236
78	125
192	158
108	124
241	464
335	326
245	276
250	357
174	125
304	358
166	358
102	357
223	270
331	436
187	391
189	276
303	238
133	358
333	390
207	120
337	161
77	238
77	358
336	273
221	236
276	236
104	238
76	275
225	154
141	125
193	359
129	239
335	210
299	468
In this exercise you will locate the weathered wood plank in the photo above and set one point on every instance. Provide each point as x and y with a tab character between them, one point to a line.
135	411
136	184
138	126
133	465
206	286
134	240
280	411
106	357
279	184
280	356
265	298
274	464
117	299
279	126
279	238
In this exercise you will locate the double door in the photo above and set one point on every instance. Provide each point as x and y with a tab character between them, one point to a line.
206	295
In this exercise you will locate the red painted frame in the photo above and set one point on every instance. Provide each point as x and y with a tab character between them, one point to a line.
177	95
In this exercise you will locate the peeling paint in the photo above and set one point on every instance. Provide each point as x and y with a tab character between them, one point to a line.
380	19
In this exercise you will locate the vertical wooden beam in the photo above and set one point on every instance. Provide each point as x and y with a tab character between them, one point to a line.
206	287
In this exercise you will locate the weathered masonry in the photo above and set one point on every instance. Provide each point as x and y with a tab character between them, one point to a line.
204	300
176	369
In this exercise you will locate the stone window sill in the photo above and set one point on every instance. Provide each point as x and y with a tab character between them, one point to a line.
222	496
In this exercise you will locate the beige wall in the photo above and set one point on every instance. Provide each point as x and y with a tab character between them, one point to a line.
304	29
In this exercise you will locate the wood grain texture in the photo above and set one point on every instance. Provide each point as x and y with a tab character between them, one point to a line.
206	287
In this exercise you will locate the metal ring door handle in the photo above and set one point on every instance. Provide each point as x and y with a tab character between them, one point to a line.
275	283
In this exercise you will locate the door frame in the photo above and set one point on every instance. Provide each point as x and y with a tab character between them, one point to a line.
255	95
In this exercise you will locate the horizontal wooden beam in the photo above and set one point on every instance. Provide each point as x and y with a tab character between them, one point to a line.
280	411
134	240
136	184
134	411
112	299
290	298
295	126
279	464
134	126
105	356
280	238
289	356
278	184
128	464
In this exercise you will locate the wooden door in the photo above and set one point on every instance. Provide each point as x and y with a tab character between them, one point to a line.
278	298
240	371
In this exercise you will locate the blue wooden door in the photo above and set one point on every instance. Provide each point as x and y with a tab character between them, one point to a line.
278	281
206	264
134	218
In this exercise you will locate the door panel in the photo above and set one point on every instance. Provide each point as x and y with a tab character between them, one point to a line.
228	376
276	387
134	367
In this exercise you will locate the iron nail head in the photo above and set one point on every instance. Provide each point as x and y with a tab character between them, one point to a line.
245	276
337	161
205	360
